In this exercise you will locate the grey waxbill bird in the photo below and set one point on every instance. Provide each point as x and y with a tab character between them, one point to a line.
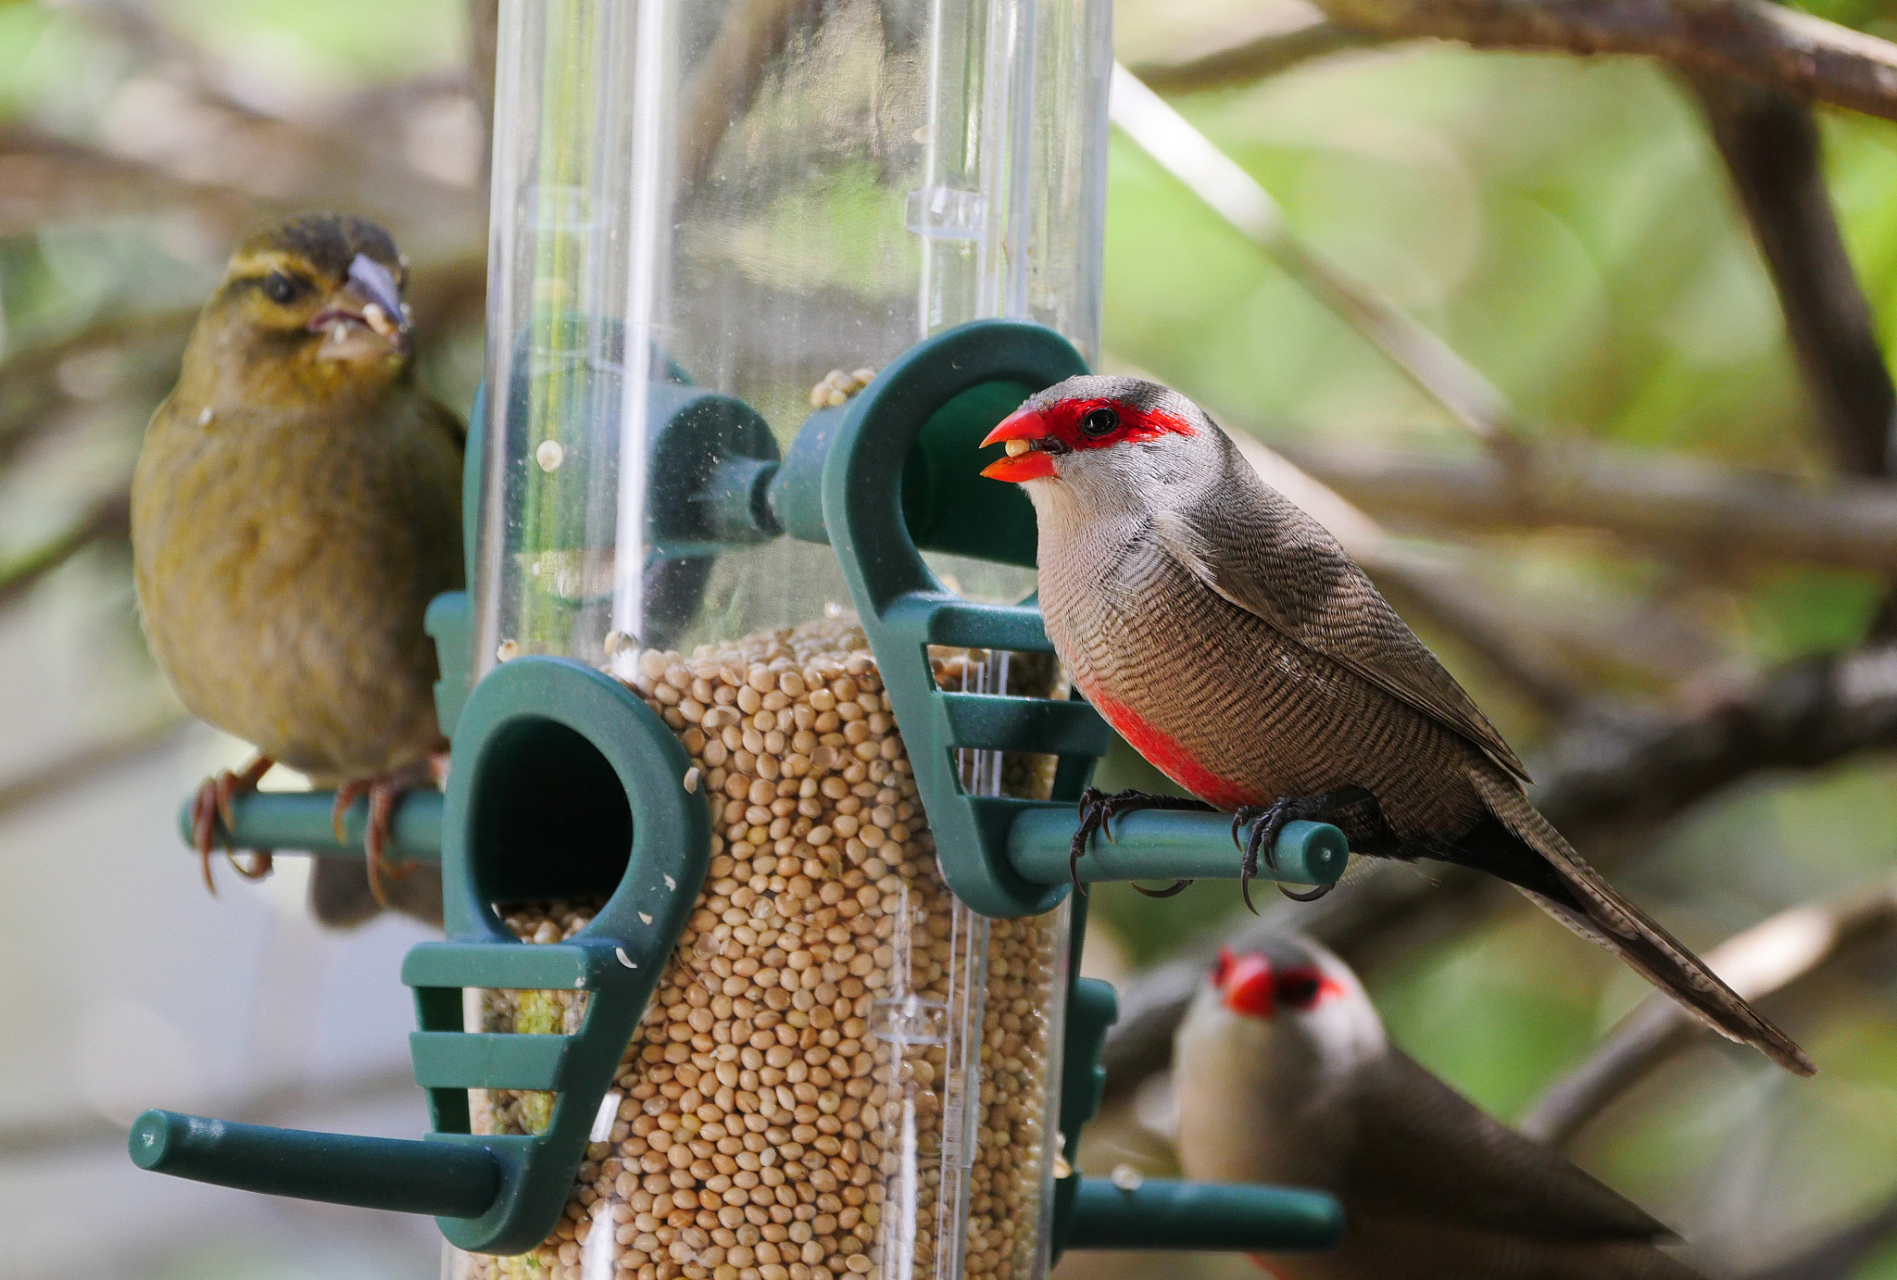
1283	1074
1228	638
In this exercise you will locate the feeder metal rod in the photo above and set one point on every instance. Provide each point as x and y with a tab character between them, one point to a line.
1155	844
298	822
1208	1216
443	1179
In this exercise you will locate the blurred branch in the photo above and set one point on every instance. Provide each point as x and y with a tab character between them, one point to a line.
749	40
1760	962
1771	148
1263	40
1835	1255
1218	180
1609	772
261	1106
1750	40
48	179
30	391
1668	503
78	767
108	517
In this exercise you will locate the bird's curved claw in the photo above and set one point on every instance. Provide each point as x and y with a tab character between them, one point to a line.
1176	887
211	810
384	791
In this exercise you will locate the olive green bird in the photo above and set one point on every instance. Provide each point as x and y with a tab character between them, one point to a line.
296	506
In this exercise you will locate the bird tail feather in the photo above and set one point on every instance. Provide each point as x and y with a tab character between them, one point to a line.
1606	918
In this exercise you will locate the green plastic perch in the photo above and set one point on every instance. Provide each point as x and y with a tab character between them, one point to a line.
1152	844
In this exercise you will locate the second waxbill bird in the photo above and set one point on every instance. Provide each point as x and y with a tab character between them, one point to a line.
1229	639
1283	1074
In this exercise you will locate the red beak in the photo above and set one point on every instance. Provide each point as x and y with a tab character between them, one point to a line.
1018	466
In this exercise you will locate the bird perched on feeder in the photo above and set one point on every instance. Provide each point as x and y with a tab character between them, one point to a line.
296	505
1227	636
1283	1074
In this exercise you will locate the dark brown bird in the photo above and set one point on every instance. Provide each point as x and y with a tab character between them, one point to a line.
1225	634
1284	1075
296	506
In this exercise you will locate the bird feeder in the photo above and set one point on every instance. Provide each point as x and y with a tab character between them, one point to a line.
760	953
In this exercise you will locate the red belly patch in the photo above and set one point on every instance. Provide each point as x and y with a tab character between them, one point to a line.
1166	754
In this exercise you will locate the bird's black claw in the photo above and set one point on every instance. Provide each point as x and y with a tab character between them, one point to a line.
1177	886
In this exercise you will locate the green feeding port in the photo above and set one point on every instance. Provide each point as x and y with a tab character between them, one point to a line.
566	784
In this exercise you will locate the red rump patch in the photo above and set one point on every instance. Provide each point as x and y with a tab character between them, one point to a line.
1166	754
1062	420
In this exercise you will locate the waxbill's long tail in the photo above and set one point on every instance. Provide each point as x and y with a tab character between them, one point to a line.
1283	1075
1228	637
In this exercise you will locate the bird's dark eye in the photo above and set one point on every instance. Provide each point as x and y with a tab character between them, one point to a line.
1298	989
1099	422
279	288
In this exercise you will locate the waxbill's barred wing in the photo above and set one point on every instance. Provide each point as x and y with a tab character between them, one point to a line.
1227	636
1283	1075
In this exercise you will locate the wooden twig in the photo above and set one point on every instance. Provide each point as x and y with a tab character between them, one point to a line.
1218	180
1762	961
77	767
1750	40
1771	147
1667	503
108	517
1262	40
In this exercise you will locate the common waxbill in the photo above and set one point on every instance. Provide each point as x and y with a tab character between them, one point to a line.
1283	1075
1225	634
296	506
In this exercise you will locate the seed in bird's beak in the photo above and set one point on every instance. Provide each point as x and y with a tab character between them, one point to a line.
378	319
338	330
1017	447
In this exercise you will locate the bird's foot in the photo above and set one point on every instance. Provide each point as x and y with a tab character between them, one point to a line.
1097	811
1267	823
383	790
212	806
837	387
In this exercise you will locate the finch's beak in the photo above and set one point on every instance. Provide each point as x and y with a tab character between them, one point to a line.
1020	431
372	300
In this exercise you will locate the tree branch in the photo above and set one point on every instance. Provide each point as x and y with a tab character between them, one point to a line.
1218	180
1762	961
1771	147
1750	40
108	517
1675	506
1263	40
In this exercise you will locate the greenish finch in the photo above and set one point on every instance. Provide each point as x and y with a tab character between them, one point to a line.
296	505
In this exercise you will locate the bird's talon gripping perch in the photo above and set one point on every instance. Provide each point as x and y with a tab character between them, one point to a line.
1097	811
212	807
384	791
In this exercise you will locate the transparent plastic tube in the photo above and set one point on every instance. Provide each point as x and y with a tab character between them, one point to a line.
700	209
737	197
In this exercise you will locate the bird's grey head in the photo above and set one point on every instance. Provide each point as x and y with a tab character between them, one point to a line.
1106	442
1292	997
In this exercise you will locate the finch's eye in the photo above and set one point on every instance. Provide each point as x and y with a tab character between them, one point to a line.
1298	989
279	288
1099	422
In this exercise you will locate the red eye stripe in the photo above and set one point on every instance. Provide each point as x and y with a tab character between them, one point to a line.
1063	422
